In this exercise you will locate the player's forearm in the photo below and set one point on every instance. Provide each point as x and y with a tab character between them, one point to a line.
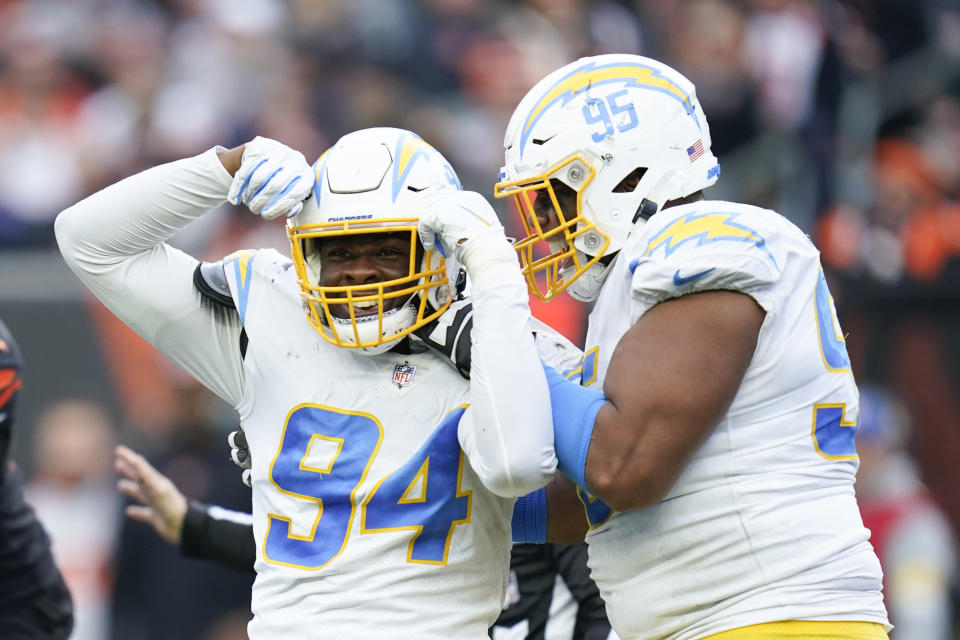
510	403
141	211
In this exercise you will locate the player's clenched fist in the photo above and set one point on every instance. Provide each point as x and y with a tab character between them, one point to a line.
273	180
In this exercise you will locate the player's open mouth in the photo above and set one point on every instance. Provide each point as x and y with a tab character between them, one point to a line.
365	308
561	246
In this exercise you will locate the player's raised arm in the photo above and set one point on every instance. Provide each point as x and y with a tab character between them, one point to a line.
114	240
507	432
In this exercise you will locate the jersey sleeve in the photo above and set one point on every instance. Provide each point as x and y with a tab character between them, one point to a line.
114	241
707	250
210	279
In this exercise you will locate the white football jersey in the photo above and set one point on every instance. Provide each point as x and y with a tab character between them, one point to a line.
368	519
762	525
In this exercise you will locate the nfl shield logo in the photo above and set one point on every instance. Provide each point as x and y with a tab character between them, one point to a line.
403	374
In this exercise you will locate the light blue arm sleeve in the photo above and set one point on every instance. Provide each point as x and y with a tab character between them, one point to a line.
574	410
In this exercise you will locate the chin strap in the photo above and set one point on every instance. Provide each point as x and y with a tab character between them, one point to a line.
587	286
645	211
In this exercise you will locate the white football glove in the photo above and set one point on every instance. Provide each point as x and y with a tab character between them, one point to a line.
240	454
273	180
452	219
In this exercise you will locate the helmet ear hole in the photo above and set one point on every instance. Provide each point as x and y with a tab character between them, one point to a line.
630	181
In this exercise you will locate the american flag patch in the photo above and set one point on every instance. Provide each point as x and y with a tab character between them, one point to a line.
695	151
403	374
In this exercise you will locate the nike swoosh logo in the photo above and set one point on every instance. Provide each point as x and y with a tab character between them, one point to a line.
682	280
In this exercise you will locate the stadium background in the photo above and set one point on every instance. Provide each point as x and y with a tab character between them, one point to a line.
844	115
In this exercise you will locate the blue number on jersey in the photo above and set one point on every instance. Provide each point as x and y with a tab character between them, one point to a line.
424	495
597	510
833	435
356	438
832	346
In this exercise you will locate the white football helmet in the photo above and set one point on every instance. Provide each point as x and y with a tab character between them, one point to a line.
618	135
373	181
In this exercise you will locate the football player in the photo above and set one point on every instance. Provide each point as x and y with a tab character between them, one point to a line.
717	464
369	518
34	600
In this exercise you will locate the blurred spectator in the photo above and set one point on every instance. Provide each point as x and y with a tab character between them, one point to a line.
96	89
783	45
191	451
907	528
910	230
706	40
73	494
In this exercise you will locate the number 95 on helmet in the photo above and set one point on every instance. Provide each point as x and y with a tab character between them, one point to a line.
366	201
591	152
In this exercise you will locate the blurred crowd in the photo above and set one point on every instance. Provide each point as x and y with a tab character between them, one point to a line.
844	115
91	91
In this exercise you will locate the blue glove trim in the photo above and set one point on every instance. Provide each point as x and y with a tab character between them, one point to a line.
280	195
246	181
575	409
265	182
529	522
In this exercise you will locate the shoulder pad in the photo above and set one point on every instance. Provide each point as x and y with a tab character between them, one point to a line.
711	228
709	246
210	279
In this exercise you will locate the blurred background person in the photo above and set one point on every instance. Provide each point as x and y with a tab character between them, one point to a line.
72	493
34	601
908	529
200	600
